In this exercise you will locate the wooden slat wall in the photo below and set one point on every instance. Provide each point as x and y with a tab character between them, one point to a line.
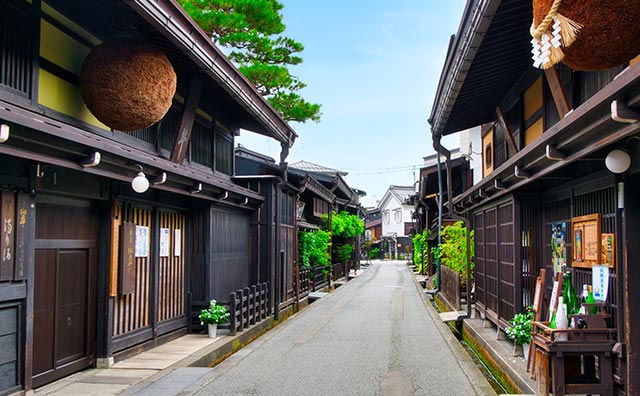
491	260
171	270
131	311
479	270
506	262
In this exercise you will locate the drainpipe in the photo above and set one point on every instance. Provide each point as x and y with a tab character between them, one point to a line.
451	216
279	254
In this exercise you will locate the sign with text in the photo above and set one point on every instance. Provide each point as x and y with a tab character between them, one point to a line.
586	240
127	267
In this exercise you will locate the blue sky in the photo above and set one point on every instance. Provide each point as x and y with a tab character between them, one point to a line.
374	66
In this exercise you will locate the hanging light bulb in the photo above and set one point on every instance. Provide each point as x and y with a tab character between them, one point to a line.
618	161
140	183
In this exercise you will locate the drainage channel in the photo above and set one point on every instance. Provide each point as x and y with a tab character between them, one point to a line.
493	381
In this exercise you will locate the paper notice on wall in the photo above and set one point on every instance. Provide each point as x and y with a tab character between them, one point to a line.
164	242
142	241
600	281
177	242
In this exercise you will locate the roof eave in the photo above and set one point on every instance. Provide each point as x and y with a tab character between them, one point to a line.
475	23
168	17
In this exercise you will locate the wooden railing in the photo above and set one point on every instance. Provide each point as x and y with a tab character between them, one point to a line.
248	306
319	279
339	270
303	276
450	286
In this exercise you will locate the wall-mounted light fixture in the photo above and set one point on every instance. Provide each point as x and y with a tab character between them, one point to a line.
4	133
197	188
160	179
91	160
618	161
140	183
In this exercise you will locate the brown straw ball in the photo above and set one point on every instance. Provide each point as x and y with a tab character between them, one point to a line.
127	84
610	35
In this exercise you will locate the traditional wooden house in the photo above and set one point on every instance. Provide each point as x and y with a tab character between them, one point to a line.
560	158
110	239
301	205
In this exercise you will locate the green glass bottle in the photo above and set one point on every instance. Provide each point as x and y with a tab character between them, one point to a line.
569	295
552	324
591	300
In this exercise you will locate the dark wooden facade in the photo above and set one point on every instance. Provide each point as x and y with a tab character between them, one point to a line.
92	271
546	168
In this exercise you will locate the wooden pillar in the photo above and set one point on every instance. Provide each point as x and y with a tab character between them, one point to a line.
628	257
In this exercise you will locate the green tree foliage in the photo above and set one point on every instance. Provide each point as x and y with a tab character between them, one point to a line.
314	248
342	253
420	247
252	30
453	249
345	225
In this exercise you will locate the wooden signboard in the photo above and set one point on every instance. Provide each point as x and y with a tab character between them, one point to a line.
608	250
586	240
23	212
127	267
115	249
555	293
7	214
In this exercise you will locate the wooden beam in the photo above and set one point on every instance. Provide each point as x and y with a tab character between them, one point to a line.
183	134
557	92
507	131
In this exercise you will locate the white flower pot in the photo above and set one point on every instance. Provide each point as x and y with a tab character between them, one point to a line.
525	351
212	330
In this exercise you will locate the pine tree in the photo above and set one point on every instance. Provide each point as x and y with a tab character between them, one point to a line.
252	32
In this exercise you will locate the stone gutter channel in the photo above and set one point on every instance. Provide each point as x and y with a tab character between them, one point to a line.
489	349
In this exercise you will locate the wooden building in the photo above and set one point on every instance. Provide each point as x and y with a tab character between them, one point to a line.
546	134
91	270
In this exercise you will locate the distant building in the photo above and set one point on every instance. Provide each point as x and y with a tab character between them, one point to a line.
397	222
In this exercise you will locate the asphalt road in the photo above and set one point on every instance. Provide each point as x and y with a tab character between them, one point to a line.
376	335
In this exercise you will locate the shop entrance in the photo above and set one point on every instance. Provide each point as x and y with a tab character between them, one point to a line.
65	289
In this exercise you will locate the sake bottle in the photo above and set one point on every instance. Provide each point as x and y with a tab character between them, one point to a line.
569	295
591	300
561	320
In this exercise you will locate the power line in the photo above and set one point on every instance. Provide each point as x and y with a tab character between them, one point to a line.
395	169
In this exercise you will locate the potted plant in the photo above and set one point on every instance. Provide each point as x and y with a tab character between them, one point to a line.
213	316
520	331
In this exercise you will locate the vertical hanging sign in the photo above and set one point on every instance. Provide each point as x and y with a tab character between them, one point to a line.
127	267
23	209
8	204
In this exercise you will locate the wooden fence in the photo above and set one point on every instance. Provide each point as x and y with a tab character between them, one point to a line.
303	276
318	277
450	286
248	306
339	270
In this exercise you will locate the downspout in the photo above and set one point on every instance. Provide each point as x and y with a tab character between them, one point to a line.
279	256
467	223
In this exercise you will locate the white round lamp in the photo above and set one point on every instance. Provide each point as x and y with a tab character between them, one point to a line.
618	161
140	183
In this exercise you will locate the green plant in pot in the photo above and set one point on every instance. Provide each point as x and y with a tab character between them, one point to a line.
520	330
212	316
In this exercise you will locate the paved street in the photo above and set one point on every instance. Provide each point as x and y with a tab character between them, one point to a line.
373	336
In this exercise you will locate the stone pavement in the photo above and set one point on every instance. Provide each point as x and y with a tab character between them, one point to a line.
374	336
377	335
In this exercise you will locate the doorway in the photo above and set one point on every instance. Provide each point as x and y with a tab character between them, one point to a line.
64	288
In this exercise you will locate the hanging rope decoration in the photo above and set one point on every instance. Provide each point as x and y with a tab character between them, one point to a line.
585	34
555	31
